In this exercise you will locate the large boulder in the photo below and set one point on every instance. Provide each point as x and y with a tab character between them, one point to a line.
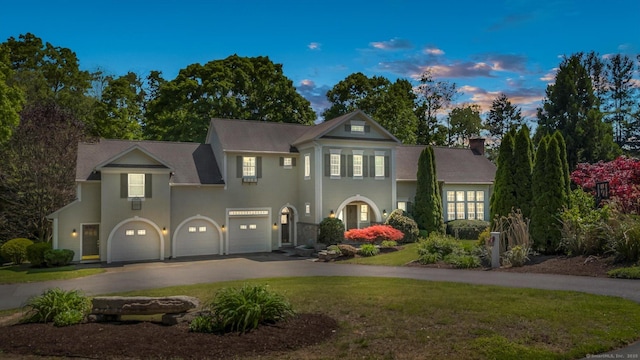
142	305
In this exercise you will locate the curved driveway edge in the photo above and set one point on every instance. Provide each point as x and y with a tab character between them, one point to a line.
169	273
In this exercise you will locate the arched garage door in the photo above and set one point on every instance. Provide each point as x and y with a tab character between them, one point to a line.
135	240
197	237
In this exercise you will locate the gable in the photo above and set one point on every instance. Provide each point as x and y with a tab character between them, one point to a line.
135	158
357	128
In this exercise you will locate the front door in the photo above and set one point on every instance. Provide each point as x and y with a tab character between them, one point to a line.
91	242
352	217
285	223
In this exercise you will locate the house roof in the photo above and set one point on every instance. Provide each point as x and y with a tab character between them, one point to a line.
257	136
453	165
191	163
270	137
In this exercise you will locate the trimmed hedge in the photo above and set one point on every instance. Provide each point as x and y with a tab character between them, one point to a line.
58	257
36	252
466	229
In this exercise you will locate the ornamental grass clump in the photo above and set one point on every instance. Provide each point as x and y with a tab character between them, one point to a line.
57	305
368	250
242	310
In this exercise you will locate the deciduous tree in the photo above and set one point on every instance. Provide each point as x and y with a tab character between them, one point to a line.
433	98
236	87
390	104
37	170
11	99
464	122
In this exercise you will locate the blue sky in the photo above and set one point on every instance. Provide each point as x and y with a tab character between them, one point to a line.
485	47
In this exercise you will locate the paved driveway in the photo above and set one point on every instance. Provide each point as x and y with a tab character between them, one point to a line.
128	277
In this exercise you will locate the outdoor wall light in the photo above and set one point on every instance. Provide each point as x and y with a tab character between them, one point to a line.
222	227
384	213
332	214
74	233
164	230
275	226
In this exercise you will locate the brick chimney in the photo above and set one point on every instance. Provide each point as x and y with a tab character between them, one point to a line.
477	145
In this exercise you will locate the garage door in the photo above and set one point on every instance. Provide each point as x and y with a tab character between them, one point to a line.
197	237
135	241
249	234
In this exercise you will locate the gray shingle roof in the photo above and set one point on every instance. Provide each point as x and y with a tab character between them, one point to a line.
191	163
257	136
453	165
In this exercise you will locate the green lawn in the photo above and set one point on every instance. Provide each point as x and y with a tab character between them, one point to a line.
396	258
24	273
384	318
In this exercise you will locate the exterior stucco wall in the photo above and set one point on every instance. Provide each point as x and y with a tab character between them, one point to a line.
85	211
115	209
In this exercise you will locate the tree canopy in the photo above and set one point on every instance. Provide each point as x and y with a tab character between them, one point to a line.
572	108
433	97
390	104
236	88
11	99
503	116
464	122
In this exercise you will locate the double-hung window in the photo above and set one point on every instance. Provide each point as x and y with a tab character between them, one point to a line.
249	166
364	212
136	185
358	164
334	165
379	165
465	205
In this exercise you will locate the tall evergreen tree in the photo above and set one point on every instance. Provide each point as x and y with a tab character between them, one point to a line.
503	197
521	173
572	108
428	203
565	164
549	192
503	116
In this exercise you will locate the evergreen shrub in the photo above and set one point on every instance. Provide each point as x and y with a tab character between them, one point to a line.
58	257
331	231
35	253
466	229
399	221
15	250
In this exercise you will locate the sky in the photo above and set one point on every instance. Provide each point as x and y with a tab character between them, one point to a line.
484	47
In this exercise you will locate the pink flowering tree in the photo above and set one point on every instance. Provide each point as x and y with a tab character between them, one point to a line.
623	176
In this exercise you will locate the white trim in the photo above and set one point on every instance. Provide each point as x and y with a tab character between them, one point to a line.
135	218
319	174
358	197
197	217
292	235
101	166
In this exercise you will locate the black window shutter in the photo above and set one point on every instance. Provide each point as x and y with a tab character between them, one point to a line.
350	165
367	128
372	166
365	166
281	161
293	161
148	185
347	127
124	185
239	166
343	165
259	167
386	166
327	165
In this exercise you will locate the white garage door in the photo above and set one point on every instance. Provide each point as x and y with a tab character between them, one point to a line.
135	241
197	237
249	234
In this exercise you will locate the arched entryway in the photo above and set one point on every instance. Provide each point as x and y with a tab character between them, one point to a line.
287	225
358	212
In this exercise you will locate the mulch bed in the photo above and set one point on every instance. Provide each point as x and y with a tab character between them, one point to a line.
152	340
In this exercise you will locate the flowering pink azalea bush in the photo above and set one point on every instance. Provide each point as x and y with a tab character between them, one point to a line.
623	175
374	234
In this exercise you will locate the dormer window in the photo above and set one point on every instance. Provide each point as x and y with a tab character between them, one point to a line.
357	129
